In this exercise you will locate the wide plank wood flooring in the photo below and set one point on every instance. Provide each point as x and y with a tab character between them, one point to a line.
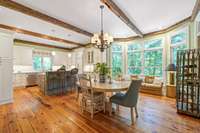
32	112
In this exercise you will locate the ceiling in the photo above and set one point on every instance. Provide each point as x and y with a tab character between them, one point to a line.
147	15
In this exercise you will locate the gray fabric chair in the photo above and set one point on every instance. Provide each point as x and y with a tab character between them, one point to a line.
129	99
58	82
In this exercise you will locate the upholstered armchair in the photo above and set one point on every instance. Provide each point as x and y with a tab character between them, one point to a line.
129	99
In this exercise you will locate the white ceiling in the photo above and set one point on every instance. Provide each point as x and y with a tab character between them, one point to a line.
148	15
154	15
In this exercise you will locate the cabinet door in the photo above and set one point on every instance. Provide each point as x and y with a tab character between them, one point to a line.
6	46
5	80
6	50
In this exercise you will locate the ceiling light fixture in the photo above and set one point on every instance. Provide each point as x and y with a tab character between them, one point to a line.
69	55
104	40
53	53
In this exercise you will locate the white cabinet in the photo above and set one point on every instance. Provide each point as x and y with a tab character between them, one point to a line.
22	55
60	59
19	80
6	68
93	56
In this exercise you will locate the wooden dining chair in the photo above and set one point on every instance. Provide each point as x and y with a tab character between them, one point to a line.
92	102
78	86
129	99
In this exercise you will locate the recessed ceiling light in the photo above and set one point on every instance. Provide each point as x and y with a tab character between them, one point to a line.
53	53
69	55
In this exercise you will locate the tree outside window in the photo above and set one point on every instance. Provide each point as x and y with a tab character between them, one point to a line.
178	42
42	61
145	58
117	60
134	59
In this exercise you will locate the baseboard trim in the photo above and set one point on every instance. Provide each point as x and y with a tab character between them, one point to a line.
6	101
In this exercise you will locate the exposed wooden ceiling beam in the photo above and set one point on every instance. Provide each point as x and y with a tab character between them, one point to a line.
39	44
195	10
163	31
117	11
31	12
39	35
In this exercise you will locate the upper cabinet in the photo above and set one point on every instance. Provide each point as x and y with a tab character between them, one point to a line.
6	44
93	56
5	50
22	56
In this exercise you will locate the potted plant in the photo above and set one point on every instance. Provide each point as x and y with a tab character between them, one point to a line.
103	70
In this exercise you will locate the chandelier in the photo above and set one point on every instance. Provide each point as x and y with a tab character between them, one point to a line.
103	40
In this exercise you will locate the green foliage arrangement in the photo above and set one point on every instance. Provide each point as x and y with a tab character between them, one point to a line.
102	69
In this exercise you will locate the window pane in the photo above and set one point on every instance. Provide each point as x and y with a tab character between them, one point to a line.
153	71
178	38
37	63
116	47
153	44
174	52
47	65
134	59
116	63
134	70
153	58
136	46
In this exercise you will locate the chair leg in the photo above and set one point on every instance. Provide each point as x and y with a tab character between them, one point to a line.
104	105
110	110
132	116
92	111
136	112
82	102
77	94
117	108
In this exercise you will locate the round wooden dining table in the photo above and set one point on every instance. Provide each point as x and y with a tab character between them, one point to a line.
115	86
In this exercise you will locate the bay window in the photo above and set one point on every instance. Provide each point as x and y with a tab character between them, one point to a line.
145	58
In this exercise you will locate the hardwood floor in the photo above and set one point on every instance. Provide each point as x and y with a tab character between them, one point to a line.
32	112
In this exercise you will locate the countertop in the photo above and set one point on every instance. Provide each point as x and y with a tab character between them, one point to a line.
27	72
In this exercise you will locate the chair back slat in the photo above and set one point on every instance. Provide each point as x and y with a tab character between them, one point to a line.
85	83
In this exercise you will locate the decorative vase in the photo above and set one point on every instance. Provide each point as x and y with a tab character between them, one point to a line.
102	78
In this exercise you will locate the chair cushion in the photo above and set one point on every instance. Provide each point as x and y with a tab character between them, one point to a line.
134	77
117	98
157	81
96	95
149	79
151	85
